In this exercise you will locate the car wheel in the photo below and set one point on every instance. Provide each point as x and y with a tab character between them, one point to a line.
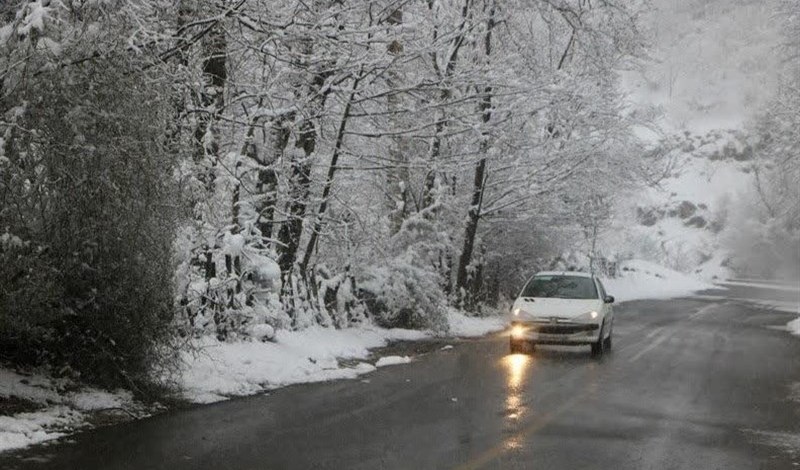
598	346
607	341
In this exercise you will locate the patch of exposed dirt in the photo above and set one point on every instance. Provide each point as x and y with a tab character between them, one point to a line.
13	405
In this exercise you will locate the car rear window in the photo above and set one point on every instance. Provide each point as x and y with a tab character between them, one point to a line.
562	287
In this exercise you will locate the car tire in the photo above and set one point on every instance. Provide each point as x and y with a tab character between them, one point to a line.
598	347
607	341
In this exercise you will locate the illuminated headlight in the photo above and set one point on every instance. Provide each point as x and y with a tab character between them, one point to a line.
517	331
588	316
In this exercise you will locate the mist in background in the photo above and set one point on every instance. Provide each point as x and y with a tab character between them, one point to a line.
726	66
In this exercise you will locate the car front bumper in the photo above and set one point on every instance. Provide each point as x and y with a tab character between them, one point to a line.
561	332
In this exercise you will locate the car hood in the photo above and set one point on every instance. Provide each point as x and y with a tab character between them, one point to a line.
550	307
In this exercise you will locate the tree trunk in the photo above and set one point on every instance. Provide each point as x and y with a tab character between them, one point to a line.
441	123
300	178
312	241
212	102
463	290
397	175
267	185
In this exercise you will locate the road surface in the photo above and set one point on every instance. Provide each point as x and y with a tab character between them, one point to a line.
690	384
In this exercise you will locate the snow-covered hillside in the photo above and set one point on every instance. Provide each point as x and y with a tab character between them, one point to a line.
682	221
639	279
716	68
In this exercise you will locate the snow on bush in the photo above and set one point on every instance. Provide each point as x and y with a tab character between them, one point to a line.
241	301
402	295
262	331
34	16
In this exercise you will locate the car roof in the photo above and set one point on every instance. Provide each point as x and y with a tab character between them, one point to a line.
563	273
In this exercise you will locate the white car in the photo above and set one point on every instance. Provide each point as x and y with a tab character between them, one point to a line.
569	308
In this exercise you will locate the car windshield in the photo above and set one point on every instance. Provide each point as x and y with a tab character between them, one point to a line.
562	287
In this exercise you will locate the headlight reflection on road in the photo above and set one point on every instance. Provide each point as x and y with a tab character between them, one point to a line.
517	366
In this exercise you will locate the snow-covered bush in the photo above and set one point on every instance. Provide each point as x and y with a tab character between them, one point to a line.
402	295
406	290
240	301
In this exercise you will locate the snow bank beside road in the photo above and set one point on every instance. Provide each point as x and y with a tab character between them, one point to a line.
794	326
392	360
222	370
464	326
644	280
24	429
217	370
56	410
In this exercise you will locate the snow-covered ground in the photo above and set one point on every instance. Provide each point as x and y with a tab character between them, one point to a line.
794	326
60	408
218	370
645	280
392	360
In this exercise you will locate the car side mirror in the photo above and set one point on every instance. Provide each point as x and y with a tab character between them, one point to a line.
609	299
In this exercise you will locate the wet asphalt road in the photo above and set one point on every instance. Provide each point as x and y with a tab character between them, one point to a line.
690	384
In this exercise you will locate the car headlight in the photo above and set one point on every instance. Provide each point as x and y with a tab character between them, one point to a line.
591	316
517	311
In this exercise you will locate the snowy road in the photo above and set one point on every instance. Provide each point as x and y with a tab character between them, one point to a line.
690	384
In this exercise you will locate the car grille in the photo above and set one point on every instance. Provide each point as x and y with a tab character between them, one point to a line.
560	328
564	329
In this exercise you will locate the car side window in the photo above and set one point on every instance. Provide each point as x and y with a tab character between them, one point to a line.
600	288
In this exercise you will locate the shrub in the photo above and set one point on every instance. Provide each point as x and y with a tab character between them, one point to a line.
86	263
401	295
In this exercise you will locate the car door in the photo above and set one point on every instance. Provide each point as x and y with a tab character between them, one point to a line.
608	310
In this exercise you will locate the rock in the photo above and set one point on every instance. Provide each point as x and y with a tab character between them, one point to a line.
686	209
647	217
697	221
745	155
